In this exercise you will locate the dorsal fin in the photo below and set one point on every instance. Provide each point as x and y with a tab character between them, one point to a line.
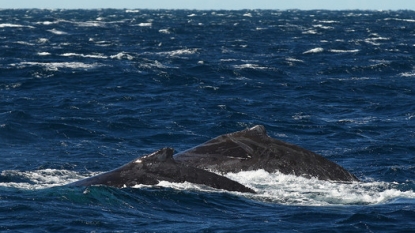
257	130
161	155
260	129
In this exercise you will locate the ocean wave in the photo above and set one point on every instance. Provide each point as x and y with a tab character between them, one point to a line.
328	21
315	50
42	40
8	87
310	31
404	20
322	26
179	52
54	66
43	53
250	66
91	24
155	64
101	56
24	43
145	24
270	187
57	32
408	74
38	179
47	22
11	25
132	11
122	55
344	51
165	31
290	59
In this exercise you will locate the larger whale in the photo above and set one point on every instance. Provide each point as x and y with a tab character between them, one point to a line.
246	150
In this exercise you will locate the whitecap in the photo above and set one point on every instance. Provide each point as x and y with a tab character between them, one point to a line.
374	40
312	32
132	11
380	38
328	21
122	55
8	87
369	41
315	50
102	43
91	24
359	121
209	87
165	31
24	43
54	66
300	116
43	53
293	59
405	20
250	66
269	187
247	15
46	23
187	186
344	51
408	74
10	25
42	40
354	78
156	64
322	26
100	56
145	24
295	190
57	32
83	55
40	179
179	52
228	59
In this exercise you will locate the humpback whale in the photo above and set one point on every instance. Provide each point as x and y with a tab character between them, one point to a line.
157	166
246	150
253	149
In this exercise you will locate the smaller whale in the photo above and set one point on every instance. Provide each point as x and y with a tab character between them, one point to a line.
158	166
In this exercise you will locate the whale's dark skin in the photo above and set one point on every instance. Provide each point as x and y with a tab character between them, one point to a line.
158	166
253	149
245	150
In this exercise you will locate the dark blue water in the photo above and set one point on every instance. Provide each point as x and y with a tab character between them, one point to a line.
82	92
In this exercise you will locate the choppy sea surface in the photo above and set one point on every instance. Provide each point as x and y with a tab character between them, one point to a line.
85	91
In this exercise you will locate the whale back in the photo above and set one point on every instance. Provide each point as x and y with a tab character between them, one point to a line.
160	166
253	149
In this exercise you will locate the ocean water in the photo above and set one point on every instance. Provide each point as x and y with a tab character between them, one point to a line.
85	91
